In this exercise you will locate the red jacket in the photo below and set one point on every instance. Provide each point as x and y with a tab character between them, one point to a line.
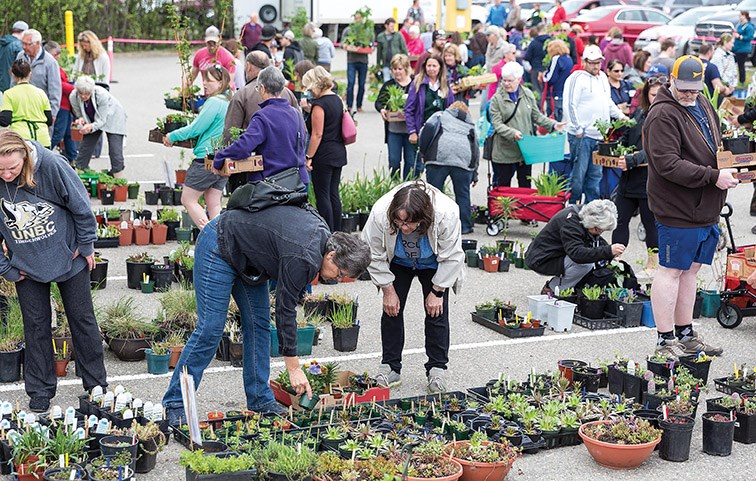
67	88
559	16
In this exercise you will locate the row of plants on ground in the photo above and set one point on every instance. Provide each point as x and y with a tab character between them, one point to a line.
359	195
118	227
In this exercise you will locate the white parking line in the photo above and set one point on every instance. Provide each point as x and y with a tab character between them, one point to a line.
355	357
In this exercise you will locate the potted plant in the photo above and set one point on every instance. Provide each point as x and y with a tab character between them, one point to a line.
142	231
158	357
127	334
11	342
107	236
333	437
429	462
162	274
132	190
745	430
620	444
232	467
677	432
137	266
279	462
126	231
235	344
608	129
486	310
359	38
482	459
113	466
158	233
175	342
395	101
718	433
62	357
698	365
179	308
345	328
68	473
151	441
592	303
305	336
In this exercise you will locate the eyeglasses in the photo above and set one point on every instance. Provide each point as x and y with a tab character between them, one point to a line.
658	79
340	274
402	223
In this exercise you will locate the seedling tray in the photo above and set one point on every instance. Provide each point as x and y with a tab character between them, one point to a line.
597	324
509	332
722	386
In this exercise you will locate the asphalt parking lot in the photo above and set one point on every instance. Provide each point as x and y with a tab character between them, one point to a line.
477	354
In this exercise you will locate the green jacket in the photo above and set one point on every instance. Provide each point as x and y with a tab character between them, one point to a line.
505	148
396	45
309	49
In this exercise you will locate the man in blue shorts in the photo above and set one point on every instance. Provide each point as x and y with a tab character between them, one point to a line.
686	192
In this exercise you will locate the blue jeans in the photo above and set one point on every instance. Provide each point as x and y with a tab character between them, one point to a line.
62	131
585	175
461	180
354	69
398	144
214	284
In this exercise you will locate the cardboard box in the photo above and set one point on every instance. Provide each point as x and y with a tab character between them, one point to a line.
395	116
605	160
728	160
740	266
473	80
736	106
251	164
337	397
356	49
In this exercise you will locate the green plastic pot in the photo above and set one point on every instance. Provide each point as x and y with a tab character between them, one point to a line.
147	287
711	301
157	363
309	403
305	337
184	234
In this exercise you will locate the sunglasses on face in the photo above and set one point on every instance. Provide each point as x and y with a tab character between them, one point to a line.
661	79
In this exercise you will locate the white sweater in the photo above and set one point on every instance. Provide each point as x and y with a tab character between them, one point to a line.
587	98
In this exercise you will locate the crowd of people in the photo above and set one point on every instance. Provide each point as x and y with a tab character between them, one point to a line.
550	76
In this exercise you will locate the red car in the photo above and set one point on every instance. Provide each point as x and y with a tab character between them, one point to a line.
632	20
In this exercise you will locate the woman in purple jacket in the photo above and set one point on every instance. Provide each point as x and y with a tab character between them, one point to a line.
429	93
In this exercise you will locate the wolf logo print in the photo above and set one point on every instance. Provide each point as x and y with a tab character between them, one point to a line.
28	222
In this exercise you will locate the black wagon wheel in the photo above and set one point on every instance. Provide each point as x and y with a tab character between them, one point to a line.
729	315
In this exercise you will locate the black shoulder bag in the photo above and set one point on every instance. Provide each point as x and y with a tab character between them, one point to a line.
488	143
283	188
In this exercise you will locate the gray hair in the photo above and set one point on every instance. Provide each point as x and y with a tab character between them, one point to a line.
599	213
272	79
52	46
351	253
36	37
258	59
85	84
512	69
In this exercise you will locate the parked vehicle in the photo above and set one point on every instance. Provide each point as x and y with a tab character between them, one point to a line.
681	29
712	27
573	8
673	8
632	21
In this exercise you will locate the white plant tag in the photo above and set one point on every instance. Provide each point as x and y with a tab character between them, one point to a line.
128	414
107	400
96	393
157	412
102	427
56	412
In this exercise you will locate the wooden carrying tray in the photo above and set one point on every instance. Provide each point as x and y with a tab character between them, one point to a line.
471	81
395	116
356	49
250	164
155	135
605	160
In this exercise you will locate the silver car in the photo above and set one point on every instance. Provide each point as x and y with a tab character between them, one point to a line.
681	29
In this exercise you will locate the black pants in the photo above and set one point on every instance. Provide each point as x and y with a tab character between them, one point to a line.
436	328
625	208
741	59
325	183
503	174
39	369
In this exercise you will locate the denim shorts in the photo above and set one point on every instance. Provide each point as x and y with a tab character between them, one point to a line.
680	247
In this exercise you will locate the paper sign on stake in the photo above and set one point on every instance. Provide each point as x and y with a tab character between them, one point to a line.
188	394
56	412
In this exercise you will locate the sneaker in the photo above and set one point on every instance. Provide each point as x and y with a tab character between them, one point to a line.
388	377
436	380
530	223
547	290
273	408
671	348
39	404
694	344
641	233
175	416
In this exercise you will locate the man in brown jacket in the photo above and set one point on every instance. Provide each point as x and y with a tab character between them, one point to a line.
246	101
686	192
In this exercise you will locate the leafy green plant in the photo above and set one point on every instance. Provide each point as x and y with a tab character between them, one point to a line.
397	98
360	33
549	184
141	257
592	293
120	320
108	232
478	450
608	128
168	214
197	462
179	310
342	316
623	431
621	151
12	330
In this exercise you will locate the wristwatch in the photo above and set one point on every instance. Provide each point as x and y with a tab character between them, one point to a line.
308	157
437	293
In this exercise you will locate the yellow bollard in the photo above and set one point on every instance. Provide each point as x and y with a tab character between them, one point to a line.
396	14
70	33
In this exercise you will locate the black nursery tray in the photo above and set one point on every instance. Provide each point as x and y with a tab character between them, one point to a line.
104	243
494	326
722	386
388	403
596	324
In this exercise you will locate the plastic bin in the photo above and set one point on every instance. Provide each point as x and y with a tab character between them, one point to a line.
539	149
537	306
560	315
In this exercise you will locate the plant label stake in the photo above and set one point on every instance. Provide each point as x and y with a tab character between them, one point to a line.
158	413
91	422
56	412
80	433
102	426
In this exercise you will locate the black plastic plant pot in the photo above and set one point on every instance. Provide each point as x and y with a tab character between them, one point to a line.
345	340
112	446
737	145
592	309
551	438
162	274
632	386
515	440
588	377
469	244
698	306
144	215
172	226
611	307
107	197
5	457
331	444
10	365
98	277
653	401
210	447
605	148
504	265
236	353
745	428
677	433
718	434
699	370
54	474
630	313
129	350
489	314
222	353
177	197
147	456
166	196
349	222
616	380
151	198
660	369
362	218
135	272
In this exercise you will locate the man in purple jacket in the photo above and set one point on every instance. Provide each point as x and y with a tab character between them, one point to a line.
276	131
251	31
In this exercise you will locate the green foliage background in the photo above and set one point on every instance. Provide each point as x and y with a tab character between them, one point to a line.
119	18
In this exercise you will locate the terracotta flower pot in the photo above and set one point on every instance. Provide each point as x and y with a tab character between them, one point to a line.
127	237
175	355
491	264
474	471
180	176
616	456
61	367
121	193
142	235
159	234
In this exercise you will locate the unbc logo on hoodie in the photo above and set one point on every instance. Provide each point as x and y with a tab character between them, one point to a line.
28	222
